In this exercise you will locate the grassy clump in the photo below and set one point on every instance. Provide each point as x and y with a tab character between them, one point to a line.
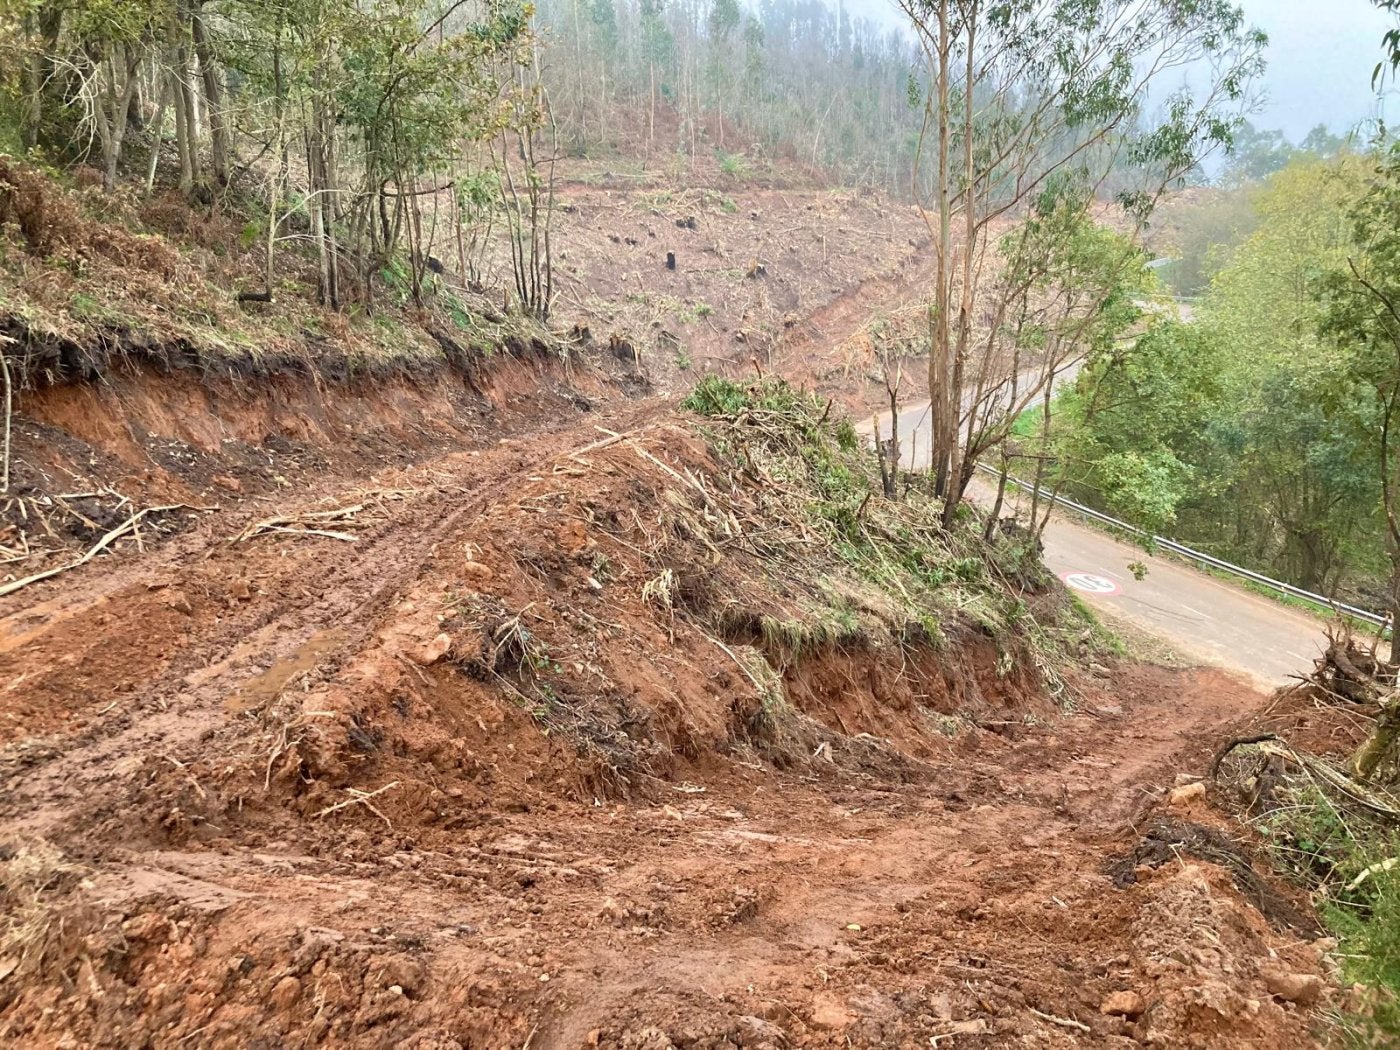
895	572
733	164
1348	861
1369	934
715	395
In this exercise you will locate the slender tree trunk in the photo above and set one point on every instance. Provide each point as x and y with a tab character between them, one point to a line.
183	139
1394	605
112	108
33	84
316	206
330	206
186	87
157	129
274	206
941	397
1036	528
958	470
213	96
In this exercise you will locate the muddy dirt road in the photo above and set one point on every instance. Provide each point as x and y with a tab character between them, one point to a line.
249	877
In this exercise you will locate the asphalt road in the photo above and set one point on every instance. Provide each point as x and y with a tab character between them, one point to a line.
1201	617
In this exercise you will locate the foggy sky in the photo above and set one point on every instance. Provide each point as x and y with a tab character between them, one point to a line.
1321	54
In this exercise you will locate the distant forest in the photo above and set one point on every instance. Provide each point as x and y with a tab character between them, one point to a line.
694	76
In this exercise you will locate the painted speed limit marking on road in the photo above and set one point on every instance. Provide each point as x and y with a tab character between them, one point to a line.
1089	583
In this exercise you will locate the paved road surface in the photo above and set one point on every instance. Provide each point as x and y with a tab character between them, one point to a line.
1198	615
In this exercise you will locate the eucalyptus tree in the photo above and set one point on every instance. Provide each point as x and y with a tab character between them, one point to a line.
1025	94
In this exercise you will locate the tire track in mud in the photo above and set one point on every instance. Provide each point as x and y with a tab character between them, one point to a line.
41	783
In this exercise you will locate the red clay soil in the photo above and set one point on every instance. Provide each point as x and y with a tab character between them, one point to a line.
460	784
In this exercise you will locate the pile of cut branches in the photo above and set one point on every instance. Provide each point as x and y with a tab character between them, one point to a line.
35	529
811	492
336	523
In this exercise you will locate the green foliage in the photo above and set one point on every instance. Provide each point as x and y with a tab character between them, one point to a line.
715	395
1145	487
732	164
1390	42
1029	423
1221	429
11	125
695	311
1199	230
1256	154
846	437
827	486
1360	318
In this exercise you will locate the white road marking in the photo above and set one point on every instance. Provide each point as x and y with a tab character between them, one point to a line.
1090	584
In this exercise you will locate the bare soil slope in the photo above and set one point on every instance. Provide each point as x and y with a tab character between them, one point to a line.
454	700
714	279
484	777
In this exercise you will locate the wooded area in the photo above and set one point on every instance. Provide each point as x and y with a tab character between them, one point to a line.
1261	428
673	82
336	117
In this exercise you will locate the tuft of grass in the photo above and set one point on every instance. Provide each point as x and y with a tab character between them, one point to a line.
788	639
733	164
716	396
1369	934
1101	639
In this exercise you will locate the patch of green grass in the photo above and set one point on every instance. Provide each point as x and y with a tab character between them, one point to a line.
692	312
1101	638
1369	936
733	164
790	638
847	440
724	203
457	311
85	306
715	395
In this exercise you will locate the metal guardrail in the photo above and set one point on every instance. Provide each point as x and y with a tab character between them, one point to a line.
1366	615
